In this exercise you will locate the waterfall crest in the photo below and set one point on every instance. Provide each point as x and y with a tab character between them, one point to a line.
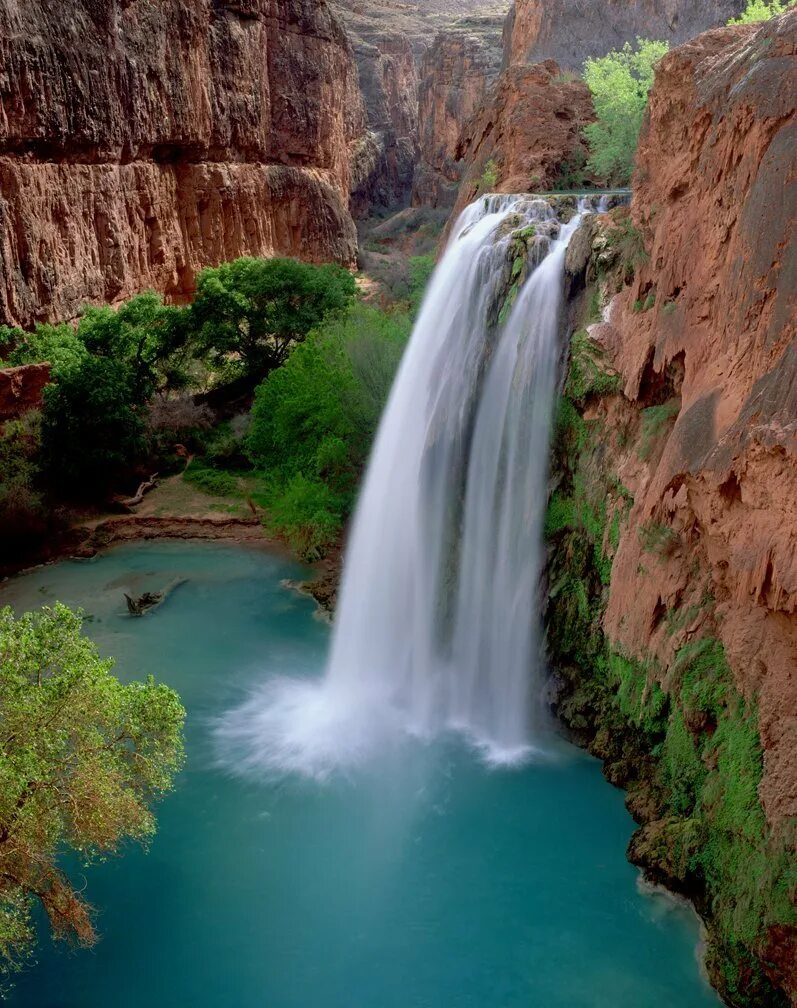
438	624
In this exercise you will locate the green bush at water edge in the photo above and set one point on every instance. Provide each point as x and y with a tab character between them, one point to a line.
314	419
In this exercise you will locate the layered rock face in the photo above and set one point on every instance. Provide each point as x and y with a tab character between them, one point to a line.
387	152
674	525
526	134
571	31
716	203
140	142
456	73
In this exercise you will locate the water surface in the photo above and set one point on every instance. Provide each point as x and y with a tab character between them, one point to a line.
429	882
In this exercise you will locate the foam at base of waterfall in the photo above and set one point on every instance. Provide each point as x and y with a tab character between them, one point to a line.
438	626
301	726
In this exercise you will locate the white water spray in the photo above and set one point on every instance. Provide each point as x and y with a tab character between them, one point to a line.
438	623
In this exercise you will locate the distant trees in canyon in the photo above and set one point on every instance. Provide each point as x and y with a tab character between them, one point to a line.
620	83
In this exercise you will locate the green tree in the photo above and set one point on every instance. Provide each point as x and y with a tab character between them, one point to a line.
761	10
22	513
620	83
314	419
92	426
83	758
58	345
256	309
151	338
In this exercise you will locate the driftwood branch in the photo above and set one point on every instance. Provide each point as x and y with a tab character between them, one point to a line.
138	497
142	604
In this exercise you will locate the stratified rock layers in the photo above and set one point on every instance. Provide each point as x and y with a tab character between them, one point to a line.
456	73
140	142
716	202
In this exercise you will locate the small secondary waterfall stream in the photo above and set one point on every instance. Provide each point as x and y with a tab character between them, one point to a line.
438	625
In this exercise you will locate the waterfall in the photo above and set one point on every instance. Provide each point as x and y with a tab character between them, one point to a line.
438	623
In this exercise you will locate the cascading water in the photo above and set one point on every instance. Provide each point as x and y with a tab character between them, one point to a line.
438	621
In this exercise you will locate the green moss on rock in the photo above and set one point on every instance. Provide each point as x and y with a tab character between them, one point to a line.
690	755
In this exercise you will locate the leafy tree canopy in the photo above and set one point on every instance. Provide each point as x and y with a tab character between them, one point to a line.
83	758
257	308
58	345
761	10
91	425
149	336
619	82
314	419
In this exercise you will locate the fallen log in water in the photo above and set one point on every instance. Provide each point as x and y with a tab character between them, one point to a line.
142	604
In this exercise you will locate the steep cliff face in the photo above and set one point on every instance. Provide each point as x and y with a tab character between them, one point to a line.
571	31
526	134
456	74
673	612
140	142
716	204
387	152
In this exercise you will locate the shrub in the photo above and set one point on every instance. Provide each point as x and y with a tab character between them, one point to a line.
313	420
22	512
619	82
91	426
488	179
421	269
216	482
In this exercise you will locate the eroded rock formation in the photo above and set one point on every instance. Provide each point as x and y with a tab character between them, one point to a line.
387	151
456	74
140	142
21	389
571	31
673	529
716	204
527	133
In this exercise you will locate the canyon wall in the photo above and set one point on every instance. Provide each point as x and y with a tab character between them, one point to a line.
21	389
526	135
386	153
140	142
673	525
571	31
715	201
457	72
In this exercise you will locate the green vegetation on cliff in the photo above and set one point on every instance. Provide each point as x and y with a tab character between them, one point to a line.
314	419
761	10
83	759
681	739
619	82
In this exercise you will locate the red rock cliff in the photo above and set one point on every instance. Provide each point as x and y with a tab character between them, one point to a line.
456	74
140	142
525	134
716	202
